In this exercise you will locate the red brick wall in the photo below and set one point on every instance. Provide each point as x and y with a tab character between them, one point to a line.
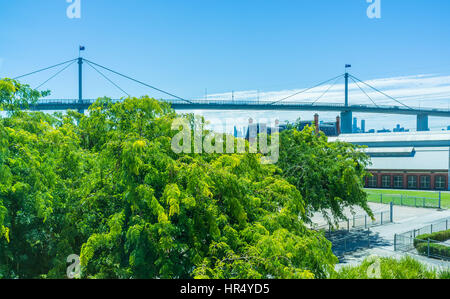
433	176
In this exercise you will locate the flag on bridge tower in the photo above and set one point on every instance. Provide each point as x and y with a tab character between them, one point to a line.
348	66
82	48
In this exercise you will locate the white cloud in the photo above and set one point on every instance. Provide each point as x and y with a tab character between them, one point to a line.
423	90
419	90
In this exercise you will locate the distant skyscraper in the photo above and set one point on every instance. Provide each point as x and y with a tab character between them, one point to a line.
355	125
398	129
363	126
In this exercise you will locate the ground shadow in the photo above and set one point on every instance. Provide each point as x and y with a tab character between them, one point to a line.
346	242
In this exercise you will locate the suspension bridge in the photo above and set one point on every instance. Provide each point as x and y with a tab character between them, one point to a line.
178	103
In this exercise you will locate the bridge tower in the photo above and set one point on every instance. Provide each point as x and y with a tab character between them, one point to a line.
80	85
422	122
346	116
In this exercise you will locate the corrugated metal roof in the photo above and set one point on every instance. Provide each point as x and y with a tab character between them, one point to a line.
423	159
404	139
389	151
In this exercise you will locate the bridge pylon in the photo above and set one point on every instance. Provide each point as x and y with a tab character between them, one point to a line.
80	85
422	122
346	116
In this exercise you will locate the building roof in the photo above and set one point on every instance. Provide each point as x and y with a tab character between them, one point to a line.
428	159
389	151
400	139
408	151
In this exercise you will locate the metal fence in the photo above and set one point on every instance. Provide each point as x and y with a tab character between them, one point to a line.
354	233
344	242
361	221
408	241
409	201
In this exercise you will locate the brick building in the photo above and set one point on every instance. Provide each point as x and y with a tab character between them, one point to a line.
408	160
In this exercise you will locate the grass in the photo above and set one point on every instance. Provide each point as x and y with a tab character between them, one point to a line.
410	197
389	268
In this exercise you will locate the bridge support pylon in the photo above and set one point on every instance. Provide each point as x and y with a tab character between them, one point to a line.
346	122
80	85
422	123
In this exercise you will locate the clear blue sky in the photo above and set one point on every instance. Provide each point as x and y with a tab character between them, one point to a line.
185	46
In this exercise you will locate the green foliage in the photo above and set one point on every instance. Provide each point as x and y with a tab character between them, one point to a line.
15	96
108	187
202	216
441	236
405	268
40	170
433	248
330	176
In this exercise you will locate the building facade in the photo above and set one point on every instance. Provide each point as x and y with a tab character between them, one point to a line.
407	160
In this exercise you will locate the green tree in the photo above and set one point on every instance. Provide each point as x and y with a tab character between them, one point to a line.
15	96
204	216
108	186
330	176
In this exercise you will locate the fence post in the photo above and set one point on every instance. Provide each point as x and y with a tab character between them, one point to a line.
368	237
348	224
381	198
446	224
401	200
392	212
381	218
365	221
395	242
424	202
428	247
354	221
440	198
432	228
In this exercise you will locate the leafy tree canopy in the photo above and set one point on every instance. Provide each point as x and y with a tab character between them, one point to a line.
330	176
108	187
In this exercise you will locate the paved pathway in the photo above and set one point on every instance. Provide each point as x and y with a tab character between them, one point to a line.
405	219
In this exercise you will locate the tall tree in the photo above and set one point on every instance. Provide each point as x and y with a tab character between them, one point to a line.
330	176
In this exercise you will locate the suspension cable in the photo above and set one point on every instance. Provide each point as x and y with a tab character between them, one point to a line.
44	69
305	90
137	81
386	95
110	81
364	91
59	72
326	91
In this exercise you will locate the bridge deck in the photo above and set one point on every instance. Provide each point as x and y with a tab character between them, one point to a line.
60	104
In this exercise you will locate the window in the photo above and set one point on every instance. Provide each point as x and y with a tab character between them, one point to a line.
386	181
440	182
412	182
425	182
398	182
372	181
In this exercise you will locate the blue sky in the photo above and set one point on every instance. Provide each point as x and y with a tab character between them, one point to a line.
187	46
